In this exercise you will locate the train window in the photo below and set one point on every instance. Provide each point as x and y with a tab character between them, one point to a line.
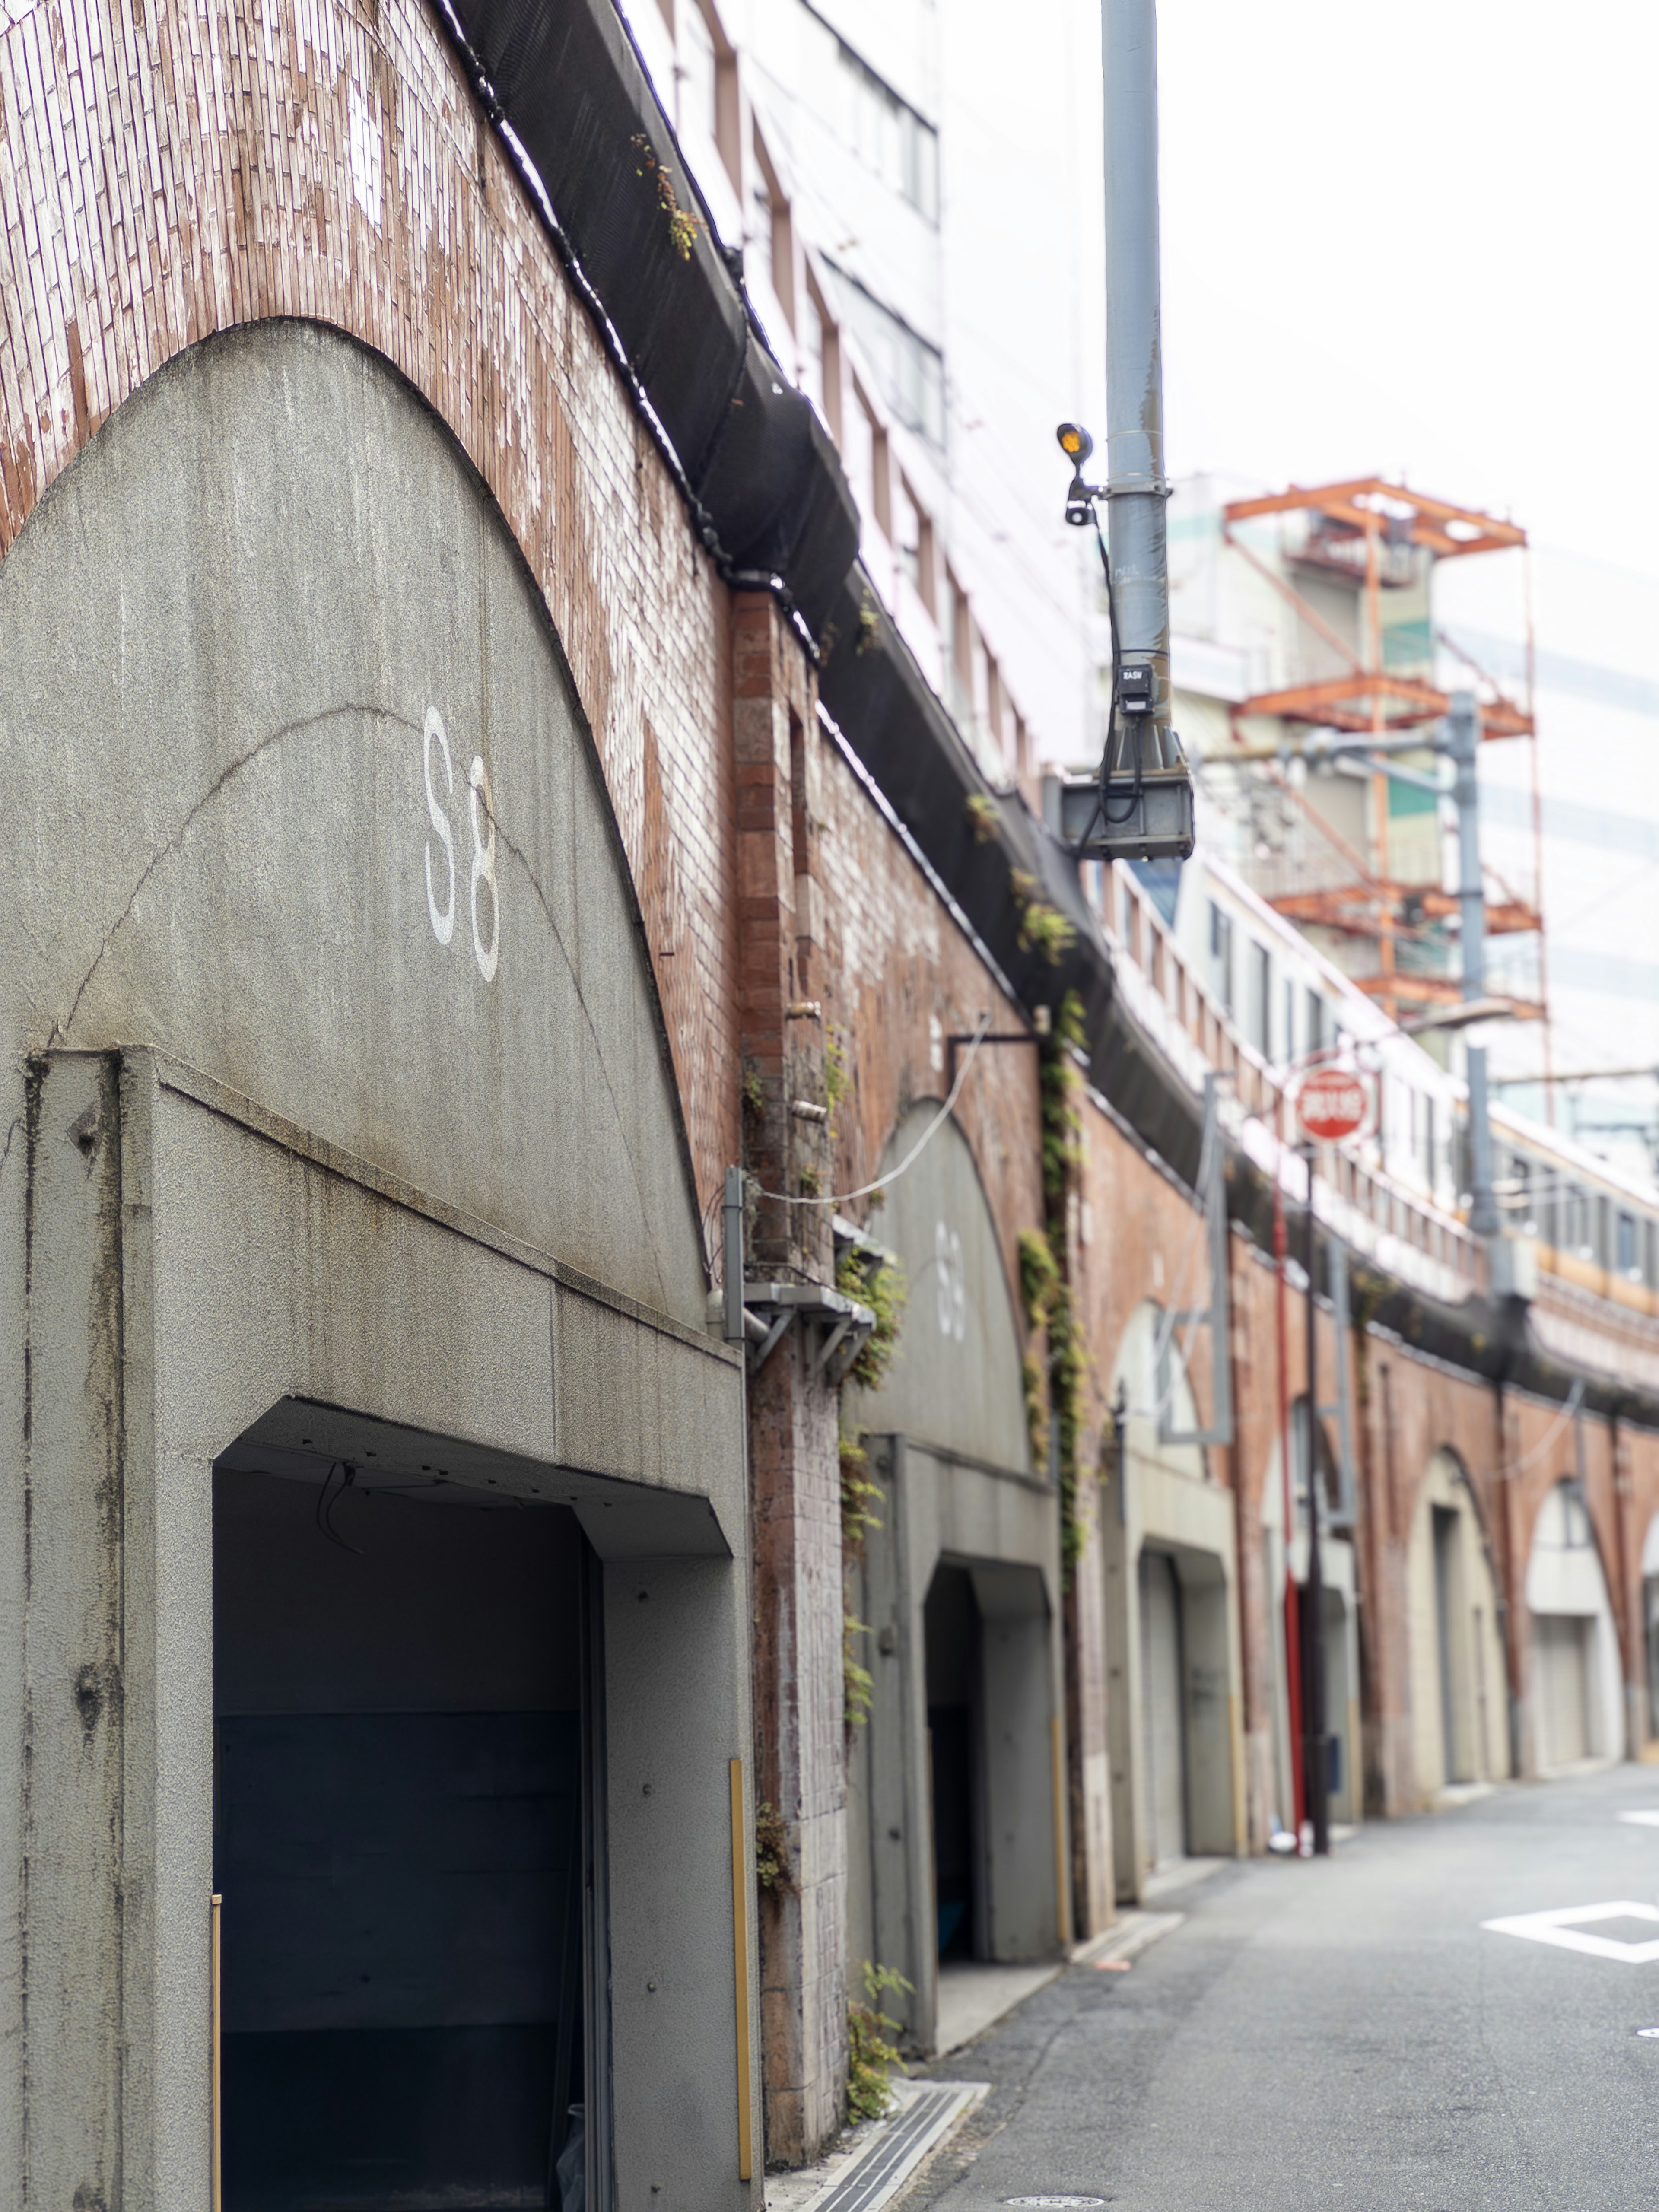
1578	1222
1651	1252
1603	1252
1626	1263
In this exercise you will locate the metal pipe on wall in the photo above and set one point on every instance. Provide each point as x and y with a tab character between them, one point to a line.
1136	488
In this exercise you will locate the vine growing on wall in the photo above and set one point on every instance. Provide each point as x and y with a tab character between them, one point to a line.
1044	1287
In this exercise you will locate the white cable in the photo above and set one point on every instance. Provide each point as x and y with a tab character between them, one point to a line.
844	1197
1575	1399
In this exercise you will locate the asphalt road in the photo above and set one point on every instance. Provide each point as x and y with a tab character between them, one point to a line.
1346	2033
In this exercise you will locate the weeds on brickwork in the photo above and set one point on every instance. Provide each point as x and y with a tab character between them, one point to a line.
1042	928
682	225
754	1093
1036	1410
1038	1277
859	1495
772	1867
983	816
1062	1122
858	1683
876	1280
869	627
811	1182
871	2057
837	1077
1044	1289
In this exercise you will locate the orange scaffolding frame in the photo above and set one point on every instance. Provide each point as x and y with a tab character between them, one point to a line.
1361	527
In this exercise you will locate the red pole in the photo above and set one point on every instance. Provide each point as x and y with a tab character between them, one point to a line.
1292	1617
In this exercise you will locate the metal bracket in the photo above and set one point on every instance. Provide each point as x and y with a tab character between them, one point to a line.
847	1324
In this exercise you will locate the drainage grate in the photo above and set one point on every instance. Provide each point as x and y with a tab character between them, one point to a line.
874	2179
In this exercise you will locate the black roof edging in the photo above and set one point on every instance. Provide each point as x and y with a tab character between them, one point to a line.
563	83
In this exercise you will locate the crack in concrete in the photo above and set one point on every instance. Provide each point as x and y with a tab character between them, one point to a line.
61	1028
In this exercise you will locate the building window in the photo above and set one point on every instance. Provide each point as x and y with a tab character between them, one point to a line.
908	370
1289	1019
1261	1004
1315	1022
888	135
1221	956
907	532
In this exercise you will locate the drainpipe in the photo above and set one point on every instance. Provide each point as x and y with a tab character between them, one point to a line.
1463	739
1135	486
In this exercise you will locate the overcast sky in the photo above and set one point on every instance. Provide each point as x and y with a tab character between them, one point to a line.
1420	235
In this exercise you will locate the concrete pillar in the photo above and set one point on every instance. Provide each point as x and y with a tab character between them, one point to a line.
794	1425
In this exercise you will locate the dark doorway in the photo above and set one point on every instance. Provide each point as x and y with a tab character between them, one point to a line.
951	1622
399	1837
1444	1528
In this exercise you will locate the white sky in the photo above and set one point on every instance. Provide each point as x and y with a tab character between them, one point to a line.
1420	235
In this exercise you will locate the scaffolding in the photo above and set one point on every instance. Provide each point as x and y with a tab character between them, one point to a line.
1378	538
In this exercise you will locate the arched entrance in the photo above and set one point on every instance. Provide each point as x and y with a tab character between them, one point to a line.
358	1167
1459	1728
1169	1559
1340	1604
956	1835
1574	1696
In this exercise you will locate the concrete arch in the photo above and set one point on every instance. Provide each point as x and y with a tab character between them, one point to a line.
241	784
314	1123
957	1822
1459	1682
1169	1552
1575	1692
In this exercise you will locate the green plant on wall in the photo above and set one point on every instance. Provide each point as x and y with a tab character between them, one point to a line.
682	225
1036	1410
871	2057
837	1077
983	816
858	1684
1062	1121
1044	1289
1042	928
876	1280
859	1496
772	1869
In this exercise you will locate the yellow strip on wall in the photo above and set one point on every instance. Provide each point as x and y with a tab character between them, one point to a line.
740	1962
215	2013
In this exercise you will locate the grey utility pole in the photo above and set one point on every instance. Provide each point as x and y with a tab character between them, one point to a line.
1462	743
1135	486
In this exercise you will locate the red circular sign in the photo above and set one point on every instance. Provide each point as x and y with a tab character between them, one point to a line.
1331	1103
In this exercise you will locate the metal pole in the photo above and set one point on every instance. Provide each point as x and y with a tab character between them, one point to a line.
1292	1617
734	1286
1464	738
1317	1763
1135	483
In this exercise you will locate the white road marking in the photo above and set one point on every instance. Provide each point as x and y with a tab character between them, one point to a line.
1564	1925
1641	1819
